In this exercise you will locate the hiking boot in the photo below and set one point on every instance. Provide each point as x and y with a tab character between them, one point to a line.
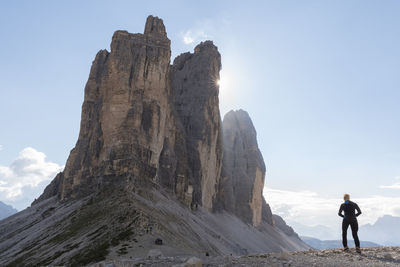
358	250
346	249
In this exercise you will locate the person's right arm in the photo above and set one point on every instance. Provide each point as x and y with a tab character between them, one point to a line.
340	211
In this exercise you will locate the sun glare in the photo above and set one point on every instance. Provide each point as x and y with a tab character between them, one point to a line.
222	82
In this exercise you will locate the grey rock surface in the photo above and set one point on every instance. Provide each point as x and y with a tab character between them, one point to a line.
243	172
123	115
194	79
370	257
110	226
154	254
281	224
192	262
53	189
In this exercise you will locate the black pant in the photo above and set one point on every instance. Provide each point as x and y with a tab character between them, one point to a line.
354	228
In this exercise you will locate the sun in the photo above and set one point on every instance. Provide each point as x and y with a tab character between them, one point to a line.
222	81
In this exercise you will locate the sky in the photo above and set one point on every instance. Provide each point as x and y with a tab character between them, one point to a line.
318	78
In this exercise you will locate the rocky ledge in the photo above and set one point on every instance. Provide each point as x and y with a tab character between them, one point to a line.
377	256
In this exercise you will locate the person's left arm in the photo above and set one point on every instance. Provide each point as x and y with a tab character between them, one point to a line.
358	210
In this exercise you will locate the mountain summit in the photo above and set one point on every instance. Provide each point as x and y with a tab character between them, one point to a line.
154	166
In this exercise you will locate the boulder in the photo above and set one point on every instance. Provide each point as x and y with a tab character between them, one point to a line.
154	254
191	262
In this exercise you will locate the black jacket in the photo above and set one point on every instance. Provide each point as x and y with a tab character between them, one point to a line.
349	210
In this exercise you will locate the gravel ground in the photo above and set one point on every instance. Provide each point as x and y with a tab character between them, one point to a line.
378	256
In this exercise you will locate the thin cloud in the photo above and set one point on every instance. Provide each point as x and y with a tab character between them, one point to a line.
194	36
26	177
393	186
205	29
305	207
1	147
396	185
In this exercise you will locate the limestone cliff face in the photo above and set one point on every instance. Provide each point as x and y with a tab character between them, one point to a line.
243	171
124	112
194	82
191	159
145	122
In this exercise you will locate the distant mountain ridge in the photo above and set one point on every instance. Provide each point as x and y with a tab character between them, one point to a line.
326	244
6	210
318	231
386	231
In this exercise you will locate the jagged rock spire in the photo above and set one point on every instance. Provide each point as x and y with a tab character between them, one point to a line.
145	122
155	26
243	170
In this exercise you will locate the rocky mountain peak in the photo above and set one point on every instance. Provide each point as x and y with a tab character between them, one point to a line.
123	115
240	122
152	153
204	46
154	26
145	122
243	170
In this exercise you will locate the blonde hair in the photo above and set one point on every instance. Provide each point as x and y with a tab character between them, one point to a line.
346	197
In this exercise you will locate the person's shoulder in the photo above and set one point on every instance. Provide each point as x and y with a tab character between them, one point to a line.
353	203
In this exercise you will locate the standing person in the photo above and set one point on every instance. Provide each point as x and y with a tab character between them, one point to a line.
349	218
